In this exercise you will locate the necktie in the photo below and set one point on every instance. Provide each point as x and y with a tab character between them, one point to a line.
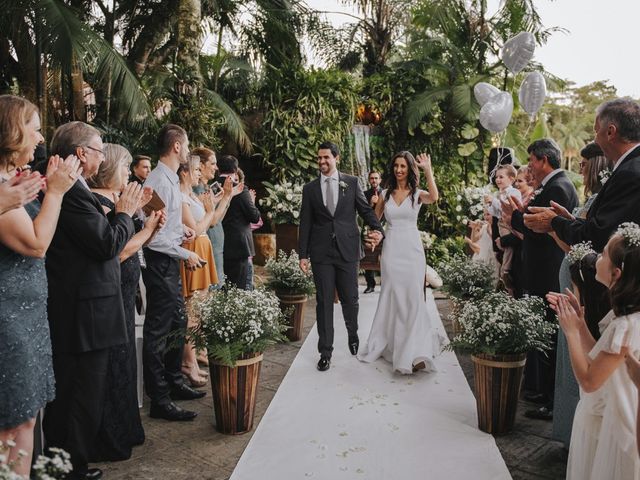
331	203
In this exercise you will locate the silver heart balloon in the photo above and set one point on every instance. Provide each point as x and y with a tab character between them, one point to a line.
518	51
483	92
495	115
532	92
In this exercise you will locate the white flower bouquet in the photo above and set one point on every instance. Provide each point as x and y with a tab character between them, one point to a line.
470	204
285	275
466	279
282	203
237	324
54	467
500	324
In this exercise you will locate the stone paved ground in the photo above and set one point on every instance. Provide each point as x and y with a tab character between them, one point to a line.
195	450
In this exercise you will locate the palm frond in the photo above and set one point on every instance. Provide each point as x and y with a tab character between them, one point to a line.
235	126
420	105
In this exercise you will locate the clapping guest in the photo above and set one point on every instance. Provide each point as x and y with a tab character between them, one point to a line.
605	421
165	304
208	171
26	381
86	314
121	427
198	213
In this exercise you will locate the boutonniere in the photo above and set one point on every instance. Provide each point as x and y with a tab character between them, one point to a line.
536	192
343	186
604	175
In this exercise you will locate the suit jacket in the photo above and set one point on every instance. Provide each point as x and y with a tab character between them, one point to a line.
318	228
83	270
618	201
238	240
541	254
369	193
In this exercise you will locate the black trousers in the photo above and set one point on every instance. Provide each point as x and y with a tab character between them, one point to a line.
236	270
73	419
370	277
329	277
165	315
540	369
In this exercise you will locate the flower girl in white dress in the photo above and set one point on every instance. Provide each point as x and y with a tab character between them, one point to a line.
406	329
603	441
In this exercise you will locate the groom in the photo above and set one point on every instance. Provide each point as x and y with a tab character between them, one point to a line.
329	236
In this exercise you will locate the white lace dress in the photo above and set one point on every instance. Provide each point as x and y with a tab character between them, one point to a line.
406	328
603	441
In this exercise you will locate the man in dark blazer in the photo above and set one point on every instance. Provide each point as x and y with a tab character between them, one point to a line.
542	259
238	239
330	238
372	195
617	129
85	310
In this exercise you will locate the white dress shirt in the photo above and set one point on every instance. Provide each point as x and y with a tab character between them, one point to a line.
334	183
623	156
166	184
550	175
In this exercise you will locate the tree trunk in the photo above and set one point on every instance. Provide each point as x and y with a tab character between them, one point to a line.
189	16
78	110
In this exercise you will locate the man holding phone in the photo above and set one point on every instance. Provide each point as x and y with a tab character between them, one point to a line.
165	305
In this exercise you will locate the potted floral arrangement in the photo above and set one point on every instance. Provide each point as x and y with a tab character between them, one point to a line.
471	204
292	286
498	331
466	279
282	205
236	326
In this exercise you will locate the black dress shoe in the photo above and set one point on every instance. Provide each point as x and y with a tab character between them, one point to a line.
542	413
171	412
324	363
539	398
185	392
354	343
369	289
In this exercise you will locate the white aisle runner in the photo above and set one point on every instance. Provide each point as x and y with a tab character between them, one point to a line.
362	421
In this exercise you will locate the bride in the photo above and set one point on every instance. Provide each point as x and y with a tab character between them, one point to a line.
406	329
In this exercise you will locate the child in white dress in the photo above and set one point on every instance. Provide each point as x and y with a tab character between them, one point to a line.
603	441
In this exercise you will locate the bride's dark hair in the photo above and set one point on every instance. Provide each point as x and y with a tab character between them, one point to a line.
391	183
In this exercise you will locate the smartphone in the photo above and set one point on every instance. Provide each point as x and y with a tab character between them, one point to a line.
202	263
215	187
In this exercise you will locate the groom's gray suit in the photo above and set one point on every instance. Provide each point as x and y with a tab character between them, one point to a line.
332	243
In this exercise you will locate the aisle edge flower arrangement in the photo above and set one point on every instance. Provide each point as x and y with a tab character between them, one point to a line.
235	324
465	279
285	275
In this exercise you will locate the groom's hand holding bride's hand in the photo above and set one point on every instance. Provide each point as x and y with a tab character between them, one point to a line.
373	239
304	265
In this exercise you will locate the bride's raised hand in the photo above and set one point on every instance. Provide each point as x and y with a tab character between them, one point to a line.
423	160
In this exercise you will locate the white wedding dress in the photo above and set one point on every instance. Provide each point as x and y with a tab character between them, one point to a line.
406	329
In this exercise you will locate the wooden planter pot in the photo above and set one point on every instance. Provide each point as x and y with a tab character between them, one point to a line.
292	305
287	237
234	392
497	386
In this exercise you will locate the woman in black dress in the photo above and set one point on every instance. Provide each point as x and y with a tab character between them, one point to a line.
121	427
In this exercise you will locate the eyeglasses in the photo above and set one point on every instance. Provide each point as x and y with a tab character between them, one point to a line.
101	152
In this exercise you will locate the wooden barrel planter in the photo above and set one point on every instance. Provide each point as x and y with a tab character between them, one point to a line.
497	386
234	392
287	237
292	305
265	244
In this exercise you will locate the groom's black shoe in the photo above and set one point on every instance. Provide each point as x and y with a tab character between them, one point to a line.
324	363
354	343
369	290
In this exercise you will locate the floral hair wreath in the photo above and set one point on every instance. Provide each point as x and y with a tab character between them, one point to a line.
578	252
630	232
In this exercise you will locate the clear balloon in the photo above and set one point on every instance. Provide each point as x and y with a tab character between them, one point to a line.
483	92
495	115
532	92
518	51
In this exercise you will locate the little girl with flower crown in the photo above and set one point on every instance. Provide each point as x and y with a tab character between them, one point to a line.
603	441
